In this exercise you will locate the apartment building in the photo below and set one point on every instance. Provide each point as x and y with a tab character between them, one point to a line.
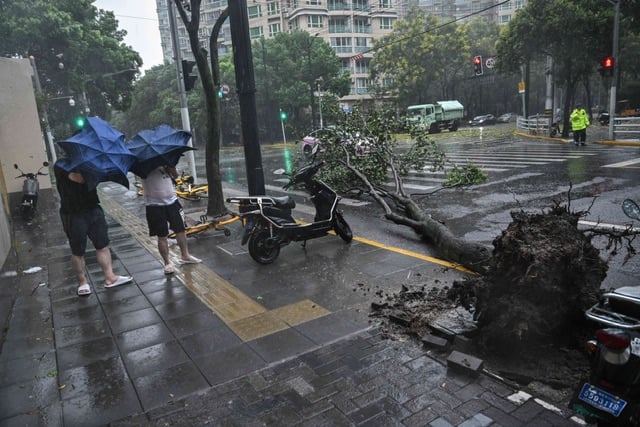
349	26
459	10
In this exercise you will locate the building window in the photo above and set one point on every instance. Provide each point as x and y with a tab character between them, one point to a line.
360	4
274	29
341	44
313	2
386	23
254	12
385	4
273	8
255	32
314	21
339	25
362	66
361	25
505	19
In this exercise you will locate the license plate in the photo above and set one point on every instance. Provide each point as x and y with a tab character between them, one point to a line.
602	400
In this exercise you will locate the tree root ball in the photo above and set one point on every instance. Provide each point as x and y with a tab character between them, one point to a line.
543	275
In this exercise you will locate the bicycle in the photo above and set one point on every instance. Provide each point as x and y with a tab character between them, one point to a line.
186	189
205	224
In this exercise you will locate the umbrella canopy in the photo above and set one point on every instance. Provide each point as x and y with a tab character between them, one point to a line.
160	146
98	151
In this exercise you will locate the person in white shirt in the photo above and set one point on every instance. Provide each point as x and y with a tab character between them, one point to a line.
164	212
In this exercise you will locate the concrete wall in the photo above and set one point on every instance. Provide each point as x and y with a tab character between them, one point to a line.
21	139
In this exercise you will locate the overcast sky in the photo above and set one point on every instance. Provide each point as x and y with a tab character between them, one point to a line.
140	20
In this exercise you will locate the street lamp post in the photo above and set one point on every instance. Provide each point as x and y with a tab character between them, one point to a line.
616	68
48	137
320	104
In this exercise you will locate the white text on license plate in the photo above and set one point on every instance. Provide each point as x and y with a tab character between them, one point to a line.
600	399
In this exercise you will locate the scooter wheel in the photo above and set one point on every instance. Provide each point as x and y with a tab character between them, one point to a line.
342	228
261	247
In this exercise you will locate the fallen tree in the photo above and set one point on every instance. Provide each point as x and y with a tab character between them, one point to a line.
362	149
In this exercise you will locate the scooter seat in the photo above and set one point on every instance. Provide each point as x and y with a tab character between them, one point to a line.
284	202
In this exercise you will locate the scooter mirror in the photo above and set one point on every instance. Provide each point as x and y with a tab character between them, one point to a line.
279	171
15	166
45	164
631	209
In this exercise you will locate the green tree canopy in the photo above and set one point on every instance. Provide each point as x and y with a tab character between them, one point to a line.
77	49
288	68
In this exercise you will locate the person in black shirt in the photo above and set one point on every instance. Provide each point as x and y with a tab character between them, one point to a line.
82	217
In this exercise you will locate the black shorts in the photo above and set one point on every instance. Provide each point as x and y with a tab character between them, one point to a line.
162	218
86	223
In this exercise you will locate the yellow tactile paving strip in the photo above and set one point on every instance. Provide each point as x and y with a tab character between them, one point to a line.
245	317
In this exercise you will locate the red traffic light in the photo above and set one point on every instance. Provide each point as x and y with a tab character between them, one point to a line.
477	65
608	62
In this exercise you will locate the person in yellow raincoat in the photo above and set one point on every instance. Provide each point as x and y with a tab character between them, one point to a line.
579	123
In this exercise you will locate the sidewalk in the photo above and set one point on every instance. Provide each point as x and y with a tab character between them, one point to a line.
226	342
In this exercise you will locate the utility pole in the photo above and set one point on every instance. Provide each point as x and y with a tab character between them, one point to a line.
245	82
616	69
48	137
184	108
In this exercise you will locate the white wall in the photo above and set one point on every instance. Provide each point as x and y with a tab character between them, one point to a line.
21	140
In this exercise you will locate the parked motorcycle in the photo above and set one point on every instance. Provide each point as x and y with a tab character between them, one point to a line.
268	224
30	189
611	394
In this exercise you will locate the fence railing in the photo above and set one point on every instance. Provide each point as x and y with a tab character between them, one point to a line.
534	125
627	128
624	128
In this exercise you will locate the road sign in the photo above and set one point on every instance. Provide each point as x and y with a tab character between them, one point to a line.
490	62
224	89
521	87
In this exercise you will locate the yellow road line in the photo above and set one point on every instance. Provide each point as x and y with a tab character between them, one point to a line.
414	255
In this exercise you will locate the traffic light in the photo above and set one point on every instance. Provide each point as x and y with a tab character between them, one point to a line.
283	115
477	65
79	122
607	66
187	74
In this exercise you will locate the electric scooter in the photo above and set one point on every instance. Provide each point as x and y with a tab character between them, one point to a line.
30	189
611	394
268	224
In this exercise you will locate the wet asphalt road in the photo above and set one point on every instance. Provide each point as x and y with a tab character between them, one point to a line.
522	173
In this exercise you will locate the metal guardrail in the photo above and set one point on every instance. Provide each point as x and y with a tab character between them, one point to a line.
624	128
627	128
534	125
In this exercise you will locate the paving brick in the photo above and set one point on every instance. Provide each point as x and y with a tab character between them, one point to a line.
501	417
497	401
477	420
440	422
434	341
464	363
470	391
472	407
528	411
420	418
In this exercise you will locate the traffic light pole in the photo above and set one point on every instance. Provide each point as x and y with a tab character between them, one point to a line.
616	69
184	108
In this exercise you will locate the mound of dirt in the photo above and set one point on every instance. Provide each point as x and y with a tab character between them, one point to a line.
525	317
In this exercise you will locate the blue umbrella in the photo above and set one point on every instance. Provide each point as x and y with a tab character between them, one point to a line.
98	151
161	146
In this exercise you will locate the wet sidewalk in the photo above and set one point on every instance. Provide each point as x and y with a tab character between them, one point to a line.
225	342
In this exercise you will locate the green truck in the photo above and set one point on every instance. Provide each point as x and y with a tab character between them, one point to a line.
435	117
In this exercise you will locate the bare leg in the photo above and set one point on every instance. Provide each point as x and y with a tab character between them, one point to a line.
163	248
104	260
182	243
77	265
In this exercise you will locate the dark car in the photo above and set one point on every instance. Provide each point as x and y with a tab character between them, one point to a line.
486	119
